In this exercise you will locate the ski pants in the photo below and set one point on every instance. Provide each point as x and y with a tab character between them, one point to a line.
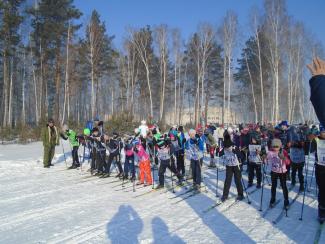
75	156
320	180
145	172
48	155
100	160
129	166
252	169
196	171
164	164
180	163
117	162
294	168
230	171
211	149
274	179
93	159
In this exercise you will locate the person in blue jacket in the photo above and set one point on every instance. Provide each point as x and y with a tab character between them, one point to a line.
194	148
317	97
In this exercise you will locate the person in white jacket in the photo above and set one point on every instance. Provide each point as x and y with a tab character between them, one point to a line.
143	128
220	131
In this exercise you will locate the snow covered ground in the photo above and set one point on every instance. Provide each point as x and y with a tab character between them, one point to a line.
55	205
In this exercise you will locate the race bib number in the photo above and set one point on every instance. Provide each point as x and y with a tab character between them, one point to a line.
163	154
275	163
230	159
253	155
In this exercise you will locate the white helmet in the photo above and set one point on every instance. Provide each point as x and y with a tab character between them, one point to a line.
143	122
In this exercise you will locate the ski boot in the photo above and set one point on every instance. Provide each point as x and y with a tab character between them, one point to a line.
286	204
272	204
240	198
159	187
301	188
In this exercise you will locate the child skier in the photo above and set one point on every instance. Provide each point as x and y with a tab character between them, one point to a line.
99	152
255	162
164	155
194	147
114	146
180	155
72	136
129	159
211	145
297	157
230	158
277	158
144	164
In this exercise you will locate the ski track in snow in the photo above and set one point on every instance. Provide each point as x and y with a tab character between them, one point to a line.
65	206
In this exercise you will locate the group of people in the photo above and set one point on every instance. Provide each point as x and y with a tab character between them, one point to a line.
282	148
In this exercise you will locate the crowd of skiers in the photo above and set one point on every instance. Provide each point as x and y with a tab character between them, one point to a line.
282	148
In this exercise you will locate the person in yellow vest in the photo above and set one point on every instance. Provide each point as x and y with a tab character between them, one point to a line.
50	138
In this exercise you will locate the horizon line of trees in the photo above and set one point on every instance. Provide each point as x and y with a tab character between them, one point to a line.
49	69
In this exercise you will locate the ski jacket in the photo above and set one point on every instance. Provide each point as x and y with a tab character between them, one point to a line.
163	153
253	156
194	148
72	136
219	132
141	153
143	130
277	164
50	136
209	139
128	149
317	91
229	157
114	146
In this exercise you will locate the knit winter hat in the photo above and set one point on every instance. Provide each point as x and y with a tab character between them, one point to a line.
276	143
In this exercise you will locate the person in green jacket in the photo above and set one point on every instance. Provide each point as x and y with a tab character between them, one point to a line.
50	139
72	136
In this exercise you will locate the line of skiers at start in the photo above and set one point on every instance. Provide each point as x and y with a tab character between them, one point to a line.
280	149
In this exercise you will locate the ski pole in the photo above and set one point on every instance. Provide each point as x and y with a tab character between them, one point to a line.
265	175
83	158
153	176
153	168
243	183
306	185
65	160
303	200
262	192
217	195
171	176
202	178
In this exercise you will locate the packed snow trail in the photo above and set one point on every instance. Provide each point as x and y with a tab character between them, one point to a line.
58	206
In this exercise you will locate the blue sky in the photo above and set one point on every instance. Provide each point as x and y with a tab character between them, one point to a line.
187	14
